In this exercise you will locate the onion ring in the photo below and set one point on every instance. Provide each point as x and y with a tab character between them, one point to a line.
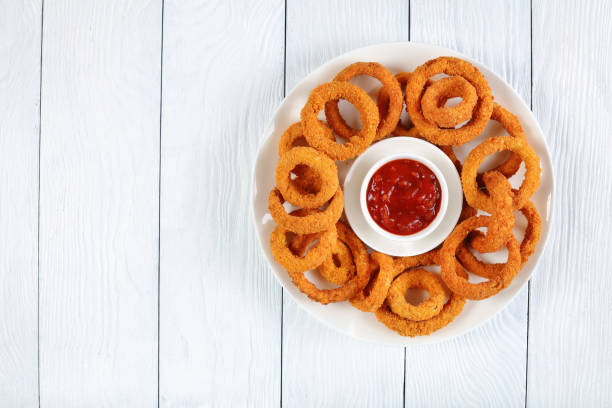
450	66
466	212
374	294
527	247
480	200
293	136
513	126
417	278
315	131
339	267
300	243
532	232
350	288
308	224
394	106
435	97
318	162
307	180
501	221
405	327
462	286
382	101
296	263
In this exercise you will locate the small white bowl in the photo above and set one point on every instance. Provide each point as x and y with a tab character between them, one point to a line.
443	196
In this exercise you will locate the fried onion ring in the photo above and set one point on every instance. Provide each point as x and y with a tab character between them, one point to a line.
502	220
462	286
479	199
290	258
417	278
339	267
513	126
527	247
481	113
318	162
315	131
532	232
308	224
436	96
307	180
382	101
392	89
405	327
374	294
350	288
293	136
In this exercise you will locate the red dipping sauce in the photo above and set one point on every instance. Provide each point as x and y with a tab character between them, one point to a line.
403	196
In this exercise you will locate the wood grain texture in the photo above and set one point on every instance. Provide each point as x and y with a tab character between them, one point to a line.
99	203
498	35
570	358
220	306
20	26
320	366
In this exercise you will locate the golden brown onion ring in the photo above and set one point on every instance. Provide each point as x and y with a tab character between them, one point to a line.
319	163
450	66
315	131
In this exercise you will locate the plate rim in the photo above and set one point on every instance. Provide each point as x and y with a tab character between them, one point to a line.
404	341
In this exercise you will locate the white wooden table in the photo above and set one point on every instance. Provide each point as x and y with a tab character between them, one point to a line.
130	274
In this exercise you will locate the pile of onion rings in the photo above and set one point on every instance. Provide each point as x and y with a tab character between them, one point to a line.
307	202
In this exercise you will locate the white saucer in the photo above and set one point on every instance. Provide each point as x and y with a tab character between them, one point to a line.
352	188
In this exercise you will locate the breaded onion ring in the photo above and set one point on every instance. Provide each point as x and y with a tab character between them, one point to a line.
450	66
501	221
318	162
513	126
298	244
392	89
350	288
339	267
527	247
293	136
307	180
315	222
462	286
532	232
436	96
407	262
479	199
467	211
374	294
405	327
417	278
296	263
382	101
315	131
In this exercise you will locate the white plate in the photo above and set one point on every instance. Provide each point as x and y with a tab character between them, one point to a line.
398	57
359	170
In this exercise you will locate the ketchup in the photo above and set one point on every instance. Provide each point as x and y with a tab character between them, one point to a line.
403	196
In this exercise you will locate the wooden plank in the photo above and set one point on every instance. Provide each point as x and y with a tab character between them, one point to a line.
220	306
20	26
570	358
99	203
320	366
439	375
